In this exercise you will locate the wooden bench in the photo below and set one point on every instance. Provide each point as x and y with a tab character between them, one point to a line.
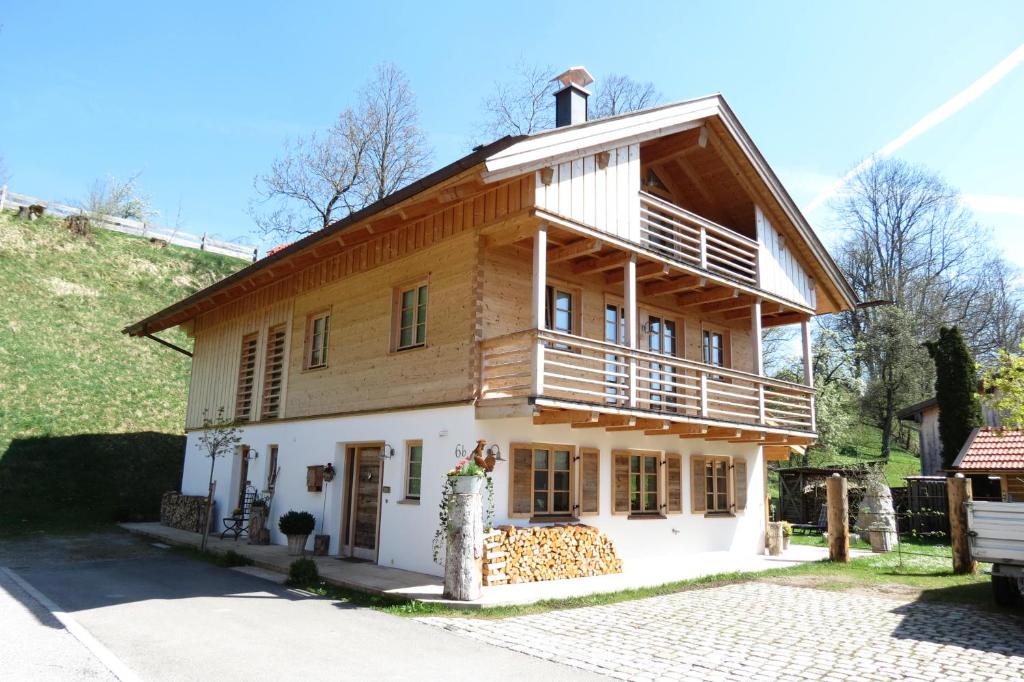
821	526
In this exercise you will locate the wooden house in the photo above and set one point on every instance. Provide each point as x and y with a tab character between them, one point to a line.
589	299
924	416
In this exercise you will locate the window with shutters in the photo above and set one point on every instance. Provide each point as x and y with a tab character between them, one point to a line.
246	377
589	497
318	333
541	481
719	484
636	483
273	373
410	317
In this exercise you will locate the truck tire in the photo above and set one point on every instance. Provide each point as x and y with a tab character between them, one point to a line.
1006	590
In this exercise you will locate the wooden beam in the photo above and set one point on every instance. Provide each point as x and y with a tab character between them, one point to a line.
728	304
674	286
710	296
645	271
720	433
589	267
788	318
558	417
606	420
583	247
679	429
776	453
642	424
505	234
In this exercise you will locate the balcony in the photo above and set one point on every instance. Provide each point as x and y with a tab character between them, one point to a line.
566	371
687	238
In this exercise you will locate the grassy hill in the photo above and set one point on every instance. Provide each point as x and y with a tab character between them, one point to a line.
67	370
864	444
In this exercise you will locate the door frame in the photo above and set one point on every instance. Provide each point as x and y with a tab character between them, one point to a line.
346	546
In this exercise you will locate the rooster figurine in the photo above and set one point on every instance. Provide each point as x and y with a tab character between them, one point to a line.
478	455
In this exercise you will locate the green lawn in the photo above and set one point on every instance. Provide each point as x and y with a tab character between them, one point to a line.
864	444
67	371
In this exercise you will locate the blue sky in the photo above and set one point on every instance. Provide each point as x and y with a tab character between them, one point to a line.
201	96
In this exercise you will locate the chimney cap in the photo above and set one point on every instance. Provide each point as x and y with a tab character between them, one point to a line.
575	75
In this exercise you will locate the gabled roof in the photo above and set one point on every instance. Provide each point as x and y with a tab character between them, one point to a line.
916	408
571	142
989	449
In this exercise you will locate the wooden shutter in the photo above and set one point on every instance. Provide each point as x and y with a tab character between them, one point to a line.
698	484
521	485
620	482
590	482
273	371
739	483
246	377
674	482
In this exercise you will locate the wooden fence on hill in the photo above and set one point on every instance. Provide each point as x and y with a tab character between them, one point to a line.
137	228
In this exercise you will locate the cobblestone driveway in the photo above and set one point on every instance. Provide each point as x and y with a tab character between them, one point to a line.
766	631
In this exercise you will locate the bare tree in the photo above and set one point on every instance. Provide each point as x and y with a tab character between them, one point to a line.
619	94
119	198
368	153
522	105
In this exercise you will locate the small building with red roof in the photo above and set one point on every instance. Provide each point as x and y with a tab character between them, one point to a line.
997	453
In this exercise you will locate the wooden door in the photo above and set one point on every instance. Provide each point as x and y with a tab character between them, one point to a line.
365	496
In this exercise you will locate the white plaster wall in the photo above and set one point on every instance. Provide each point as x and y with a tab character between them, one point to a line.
406	530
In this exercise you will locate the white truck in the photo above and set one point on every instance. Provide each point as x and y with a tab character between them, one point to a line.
996	532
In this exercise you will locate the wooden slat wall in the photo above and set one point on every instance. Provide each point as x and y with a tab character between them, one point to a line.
604	198
360	280
779	271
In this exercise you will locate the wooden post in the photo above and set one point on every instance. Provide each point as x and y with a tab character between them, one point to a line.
539	305
463	570
755	334
959	493
632	327
805	337
838	519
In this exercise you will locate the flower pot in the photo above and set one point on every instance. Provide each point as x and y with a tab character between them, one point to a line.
467	485
297	544
882	539
785	541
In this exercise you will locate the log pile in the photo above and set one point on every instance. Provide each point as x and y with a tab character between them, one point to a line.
523	555
183	511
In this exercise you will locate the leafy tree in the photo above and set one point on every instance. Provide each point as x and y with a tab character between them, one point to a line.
955	384
119	198
1003	388
219	438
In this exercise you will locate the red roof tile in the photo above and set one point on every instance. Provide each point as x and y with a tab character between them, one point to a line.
990	449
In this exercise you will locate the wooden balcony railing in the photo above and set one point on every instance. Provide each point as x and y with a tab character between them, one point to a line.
566	367
680	235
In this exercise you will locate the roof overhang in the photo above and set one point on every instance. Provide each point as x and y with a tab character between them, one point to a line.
571	142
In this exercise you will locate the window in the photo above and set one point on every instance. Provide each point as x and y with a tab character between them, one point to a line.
643	484
719	484
559	311
714	348
246	377
662	338
413	469
541	480
318	332
271	468
411	313
273	372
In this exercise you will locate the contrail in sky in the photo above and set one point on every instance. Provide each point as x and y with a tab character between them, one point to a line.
928	121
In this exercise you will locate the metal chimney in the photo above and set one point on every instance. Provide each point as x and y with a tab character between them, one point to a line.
571	100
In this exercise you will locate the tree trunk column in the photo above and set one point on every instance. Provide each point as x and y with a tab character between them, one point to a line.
838	519
958	490
463	574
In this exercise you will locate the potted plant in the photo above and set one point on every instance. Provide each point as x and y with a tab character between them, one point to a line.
467	477
787	534
297	526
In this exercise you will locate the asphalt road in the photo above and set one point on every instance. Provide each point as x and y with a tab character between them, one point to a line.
171	618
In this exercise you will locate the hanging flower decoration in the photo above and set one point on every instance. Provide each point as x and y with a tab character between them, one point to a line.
329	472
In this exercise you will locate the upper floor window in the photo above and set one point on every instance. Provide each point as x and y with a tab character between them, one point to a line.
560	310
246	377
318	330
715	348
411	315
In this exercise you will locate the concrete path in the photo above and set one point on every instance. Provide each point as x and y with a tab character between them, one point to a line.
170	618
380	579
764	630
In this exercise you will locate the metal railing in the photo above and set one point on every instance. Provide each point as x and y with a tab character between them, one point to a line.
564	366
688	238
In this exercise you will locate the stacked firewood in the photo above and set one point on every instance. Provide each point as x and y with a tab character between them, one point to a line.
522	555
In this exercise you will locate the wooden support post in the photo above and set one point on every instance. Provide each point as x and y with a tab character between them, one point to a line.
704	394
805	337
959	494
755	334
540	282
703	248
838	519
632	327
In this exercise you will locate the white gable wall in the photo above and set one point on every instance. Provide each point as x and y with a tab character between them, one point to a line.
779	271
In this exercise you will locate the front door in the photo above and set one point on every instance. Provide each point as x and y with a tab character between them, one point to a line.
365	497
